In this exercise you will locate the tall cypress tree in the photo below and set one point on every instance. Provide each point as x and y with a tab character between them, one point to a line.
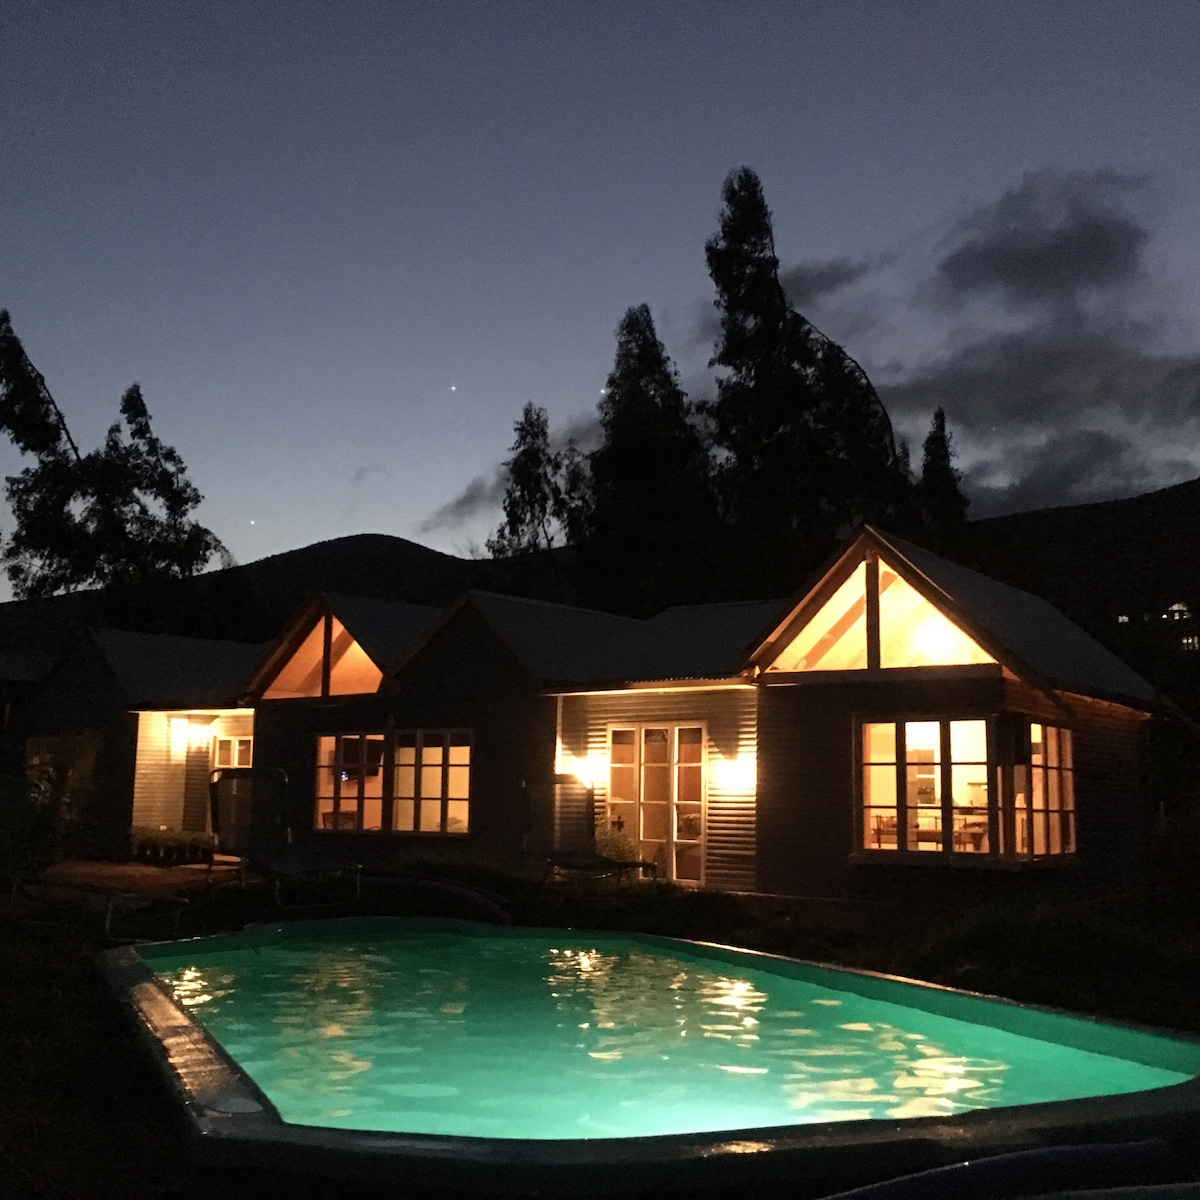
651	531
806	445
940	496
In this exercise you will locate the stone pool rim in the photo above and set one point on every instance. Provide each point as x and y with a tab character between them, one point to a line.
231	1123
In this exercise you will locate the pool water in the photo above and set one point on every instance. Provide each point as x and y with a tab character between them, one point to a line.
561	1035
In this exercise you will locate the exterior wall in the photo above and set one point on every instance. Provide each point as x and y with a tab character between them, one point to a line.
808	779
729	715
463	678
170	788
81	698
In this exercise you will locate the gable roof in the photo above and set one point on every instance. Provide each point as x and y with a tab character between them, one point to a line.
1022	631
160	670
385	629
561	644
1033	630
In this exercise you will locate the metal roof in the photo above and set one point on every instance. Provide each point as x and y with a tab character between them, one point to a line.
160	670
385	629
1033	630
562	644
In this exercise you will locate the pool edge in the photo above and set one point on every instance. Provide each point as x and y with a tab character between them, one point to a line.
232	1124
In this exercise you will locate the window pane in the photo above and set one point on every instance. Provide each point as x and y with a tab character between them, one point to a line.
969	791
688	822
405	781
688	863
879	828
879	743
372	811
402	816
656	745
835	639
457	814
913	633
431	782
431	816
460	755
691	744
458	786
655	822
1051	746
622	783
1065	749
689	782
879	786
326	748
224	752
244	751
1036	746
432	752
968	741
624	746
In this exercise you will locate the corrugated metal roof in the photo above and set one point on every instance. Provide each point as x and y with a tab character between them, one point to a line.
562	644
385	629
159	670
1034	631
558	641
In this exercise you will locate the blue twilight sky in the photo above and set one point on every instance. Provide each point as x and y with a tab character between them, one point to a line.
341	244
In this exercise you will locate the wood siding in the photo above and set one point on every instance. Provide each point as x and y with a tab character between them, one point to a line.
729	717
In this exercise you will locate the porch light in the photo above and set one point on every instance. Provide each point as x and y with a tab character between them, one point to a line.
179	736
737	774
589	770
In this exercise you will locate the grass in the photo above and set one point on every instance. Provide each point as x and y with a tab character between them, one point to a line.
83	1114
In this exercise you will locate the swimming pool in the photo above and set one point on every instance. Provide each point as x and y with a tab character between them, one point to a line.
450	1043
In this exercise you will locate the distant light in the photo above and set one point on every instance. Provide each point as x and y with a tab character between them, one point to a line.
251	522
1123	619
453	388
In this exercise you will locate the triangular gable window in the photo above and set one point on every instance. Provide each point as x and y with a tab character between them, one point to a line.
836	638
347	670
912	632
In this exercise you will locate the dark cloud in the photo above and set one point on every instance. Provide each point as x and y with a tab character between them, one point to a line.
807	283
483	494
1078	467
1058	236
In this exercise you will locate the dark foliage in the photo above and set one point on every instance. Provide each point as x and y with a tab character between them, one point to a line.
939	490
119	514
651	531
805	446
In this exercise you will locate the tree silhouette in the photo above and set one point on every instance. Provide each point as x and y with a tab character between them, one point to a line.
651	528
805	445
939	493
119	514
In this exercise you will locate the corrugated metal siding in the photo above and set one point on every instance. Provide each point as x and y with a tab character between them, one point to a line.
170	791
158	777
730	718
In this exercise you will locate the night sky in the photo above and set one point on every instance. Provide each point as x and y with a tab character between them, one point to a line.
341	245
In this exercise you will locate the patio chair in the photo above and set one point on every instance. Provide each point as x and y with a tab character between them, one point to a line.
250	831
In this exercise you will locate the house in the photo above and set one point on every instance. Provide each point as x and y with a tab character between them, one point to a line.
127	726
906	728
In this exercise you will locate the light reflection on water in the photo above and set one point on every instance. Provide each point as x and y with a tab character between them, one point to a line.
528	1037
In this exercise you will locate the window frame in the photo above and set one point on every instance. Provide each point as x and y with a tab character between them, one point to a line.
387	770
673	726
1010	791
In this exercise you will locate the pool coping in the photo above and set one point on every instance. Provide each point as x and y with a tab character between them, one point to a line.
231	1123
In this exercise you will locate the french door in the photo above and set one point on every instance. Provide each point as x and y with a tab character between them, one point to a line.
656	795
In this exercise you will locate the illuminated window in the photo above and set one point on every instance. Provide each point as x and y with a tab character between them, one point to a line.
836	637
431	786
936	788
656	795
1123	619
1190	641
347	669
1044	813
233	751
912	633
350	781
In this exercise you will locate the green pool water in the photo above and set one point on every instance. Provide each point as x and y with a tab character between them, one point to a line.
565	1035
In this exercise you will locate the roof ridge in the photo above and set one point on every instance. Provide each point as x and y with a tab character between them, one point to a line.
532	602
